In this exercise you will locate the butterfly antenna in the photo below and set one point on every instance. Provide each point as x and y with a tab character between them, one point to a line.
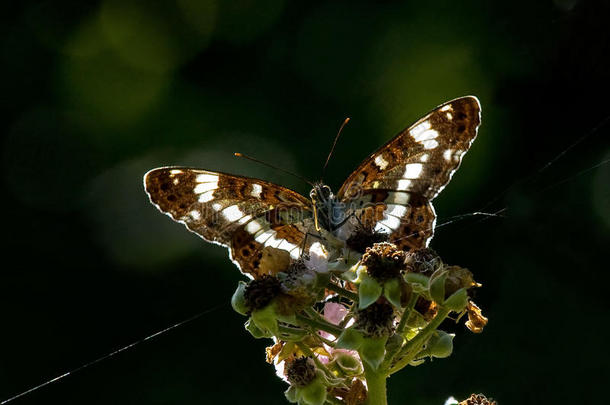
237	154
332	149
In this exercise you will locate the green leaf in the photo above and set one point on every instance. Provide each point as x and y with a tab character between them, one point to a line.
457	301
369	291
392	291
238	302
373	351
350	339
418	282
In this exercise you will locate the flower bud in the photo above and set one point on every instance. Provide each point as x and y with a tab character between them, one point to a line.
441	345
266	319
255	331
314	393
437	286
448	287
458	277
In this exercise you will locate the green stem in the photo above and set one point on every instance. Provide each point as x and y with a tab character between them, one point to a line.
391	353
342	291
410	350
319	324
376	384
407	313
294	332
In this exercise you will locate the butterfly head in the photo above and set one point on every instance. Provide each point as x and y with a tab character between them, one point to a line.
321	194
323	203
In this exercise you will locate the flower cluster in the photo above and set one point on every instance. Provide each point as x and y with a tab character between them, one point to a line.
344	319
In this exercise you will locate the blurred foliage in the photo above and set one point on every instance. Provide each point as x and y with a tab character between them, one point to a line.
95	94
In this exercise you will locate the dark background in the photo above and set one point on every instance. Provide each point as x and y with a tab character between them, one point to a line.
95	95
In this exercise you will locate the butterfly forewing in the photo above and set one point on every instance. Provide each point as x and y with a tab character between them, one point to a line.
393	188
261	223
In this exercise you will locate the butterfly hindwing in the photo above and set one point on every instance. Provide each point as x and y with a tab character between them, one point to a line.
261	223
393	188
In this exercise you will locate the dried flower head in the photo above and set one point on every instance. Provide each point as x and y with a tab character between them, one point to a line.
384	261
363	237
356	394
423	261
260	292
477	399
300	371
376	320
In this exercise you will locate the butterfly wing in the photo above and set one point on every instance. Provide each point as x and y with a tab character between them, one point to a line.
393	188
261	223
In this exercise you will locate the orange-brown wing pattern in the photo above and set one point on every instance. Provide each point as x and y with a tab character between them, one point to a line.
393	188
261	223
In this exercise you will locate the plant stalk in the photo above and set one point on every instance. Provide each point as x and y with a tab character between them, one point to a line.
376	384
410	350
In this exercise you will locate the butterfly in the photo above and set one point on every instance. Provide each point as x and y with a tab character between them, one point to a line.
265	225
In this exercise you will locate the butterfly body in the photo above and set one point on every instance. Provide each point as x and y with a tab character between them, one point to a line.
265	225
